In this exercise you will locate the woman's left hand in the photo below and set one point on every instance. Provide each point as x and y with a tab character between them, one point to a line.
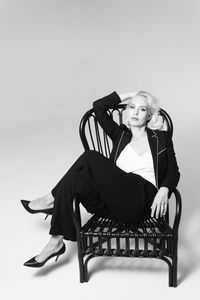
159	206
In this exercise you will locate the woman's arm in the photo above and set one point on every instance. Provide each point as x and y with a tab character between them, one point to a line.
104	118
169	183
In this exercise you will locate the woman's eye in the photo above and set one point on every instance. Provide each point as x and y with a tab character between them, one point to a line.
143	109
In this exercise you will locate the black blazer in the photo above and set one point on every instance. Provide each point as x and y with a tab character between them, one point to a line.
161	145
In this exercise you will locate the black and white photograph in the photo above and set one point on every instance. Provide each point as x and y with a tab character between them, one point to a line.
99	154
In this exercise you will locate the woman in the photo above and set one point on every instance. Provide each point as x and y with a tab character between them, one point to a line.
132	185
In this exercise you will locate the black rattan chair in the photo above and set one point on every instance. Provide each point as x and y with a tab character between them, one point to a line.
153	238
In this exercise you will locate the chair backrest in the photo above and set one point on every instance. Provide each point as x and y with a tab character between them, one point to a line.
94	138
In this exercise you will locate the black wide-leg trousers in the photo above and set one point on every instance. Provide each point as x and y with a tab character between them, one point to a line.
103	189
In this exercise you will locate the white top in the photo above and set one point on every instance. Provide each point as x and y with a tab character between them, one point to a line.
131	162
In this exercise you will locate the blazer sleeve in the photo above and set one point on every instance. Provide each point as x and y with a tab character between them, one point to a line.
103	117
173	175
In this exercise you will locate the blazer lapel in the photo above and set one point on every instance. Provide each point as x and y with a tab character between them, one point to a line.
153	143
123	141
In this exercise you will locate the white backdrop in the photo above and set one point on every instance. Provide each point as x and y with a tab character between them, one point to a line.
57	57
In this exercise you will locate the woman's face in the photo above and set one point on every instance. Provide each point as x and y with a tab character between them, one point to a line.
138	111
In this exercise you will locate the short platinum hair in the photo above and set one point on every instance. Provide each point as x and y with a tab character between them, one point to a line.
156	121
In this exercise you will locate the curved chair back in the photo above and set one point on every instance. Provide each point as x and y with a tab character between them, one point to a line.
94	138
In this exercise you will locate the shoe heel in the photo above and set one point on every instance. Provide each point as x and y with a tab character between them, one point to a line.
57	258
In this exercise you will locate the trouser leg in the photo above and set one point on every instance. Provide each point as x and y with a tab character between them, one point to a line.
103	188
75	181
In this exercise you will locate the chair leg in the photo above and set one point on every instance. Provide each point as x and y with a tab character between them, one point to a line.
174	271
170	275
170	266
86	266
86	271
175	261
80	259
81	268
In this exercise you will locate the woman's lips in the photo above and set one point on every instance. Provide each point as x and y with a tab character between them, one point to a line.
135	119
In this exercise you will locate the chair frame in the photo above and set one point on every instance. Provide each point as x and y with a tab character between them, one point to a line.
95	237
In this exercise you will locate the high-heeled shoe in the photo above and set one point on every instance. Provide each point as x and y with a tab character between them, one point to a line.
47	211
35	264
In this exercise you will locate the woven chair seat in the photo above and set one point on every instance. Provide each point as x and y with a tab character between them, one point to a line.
152	237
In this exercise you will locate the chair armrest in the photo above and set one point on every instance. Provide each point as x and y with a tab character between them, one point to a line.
76	213
178	210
